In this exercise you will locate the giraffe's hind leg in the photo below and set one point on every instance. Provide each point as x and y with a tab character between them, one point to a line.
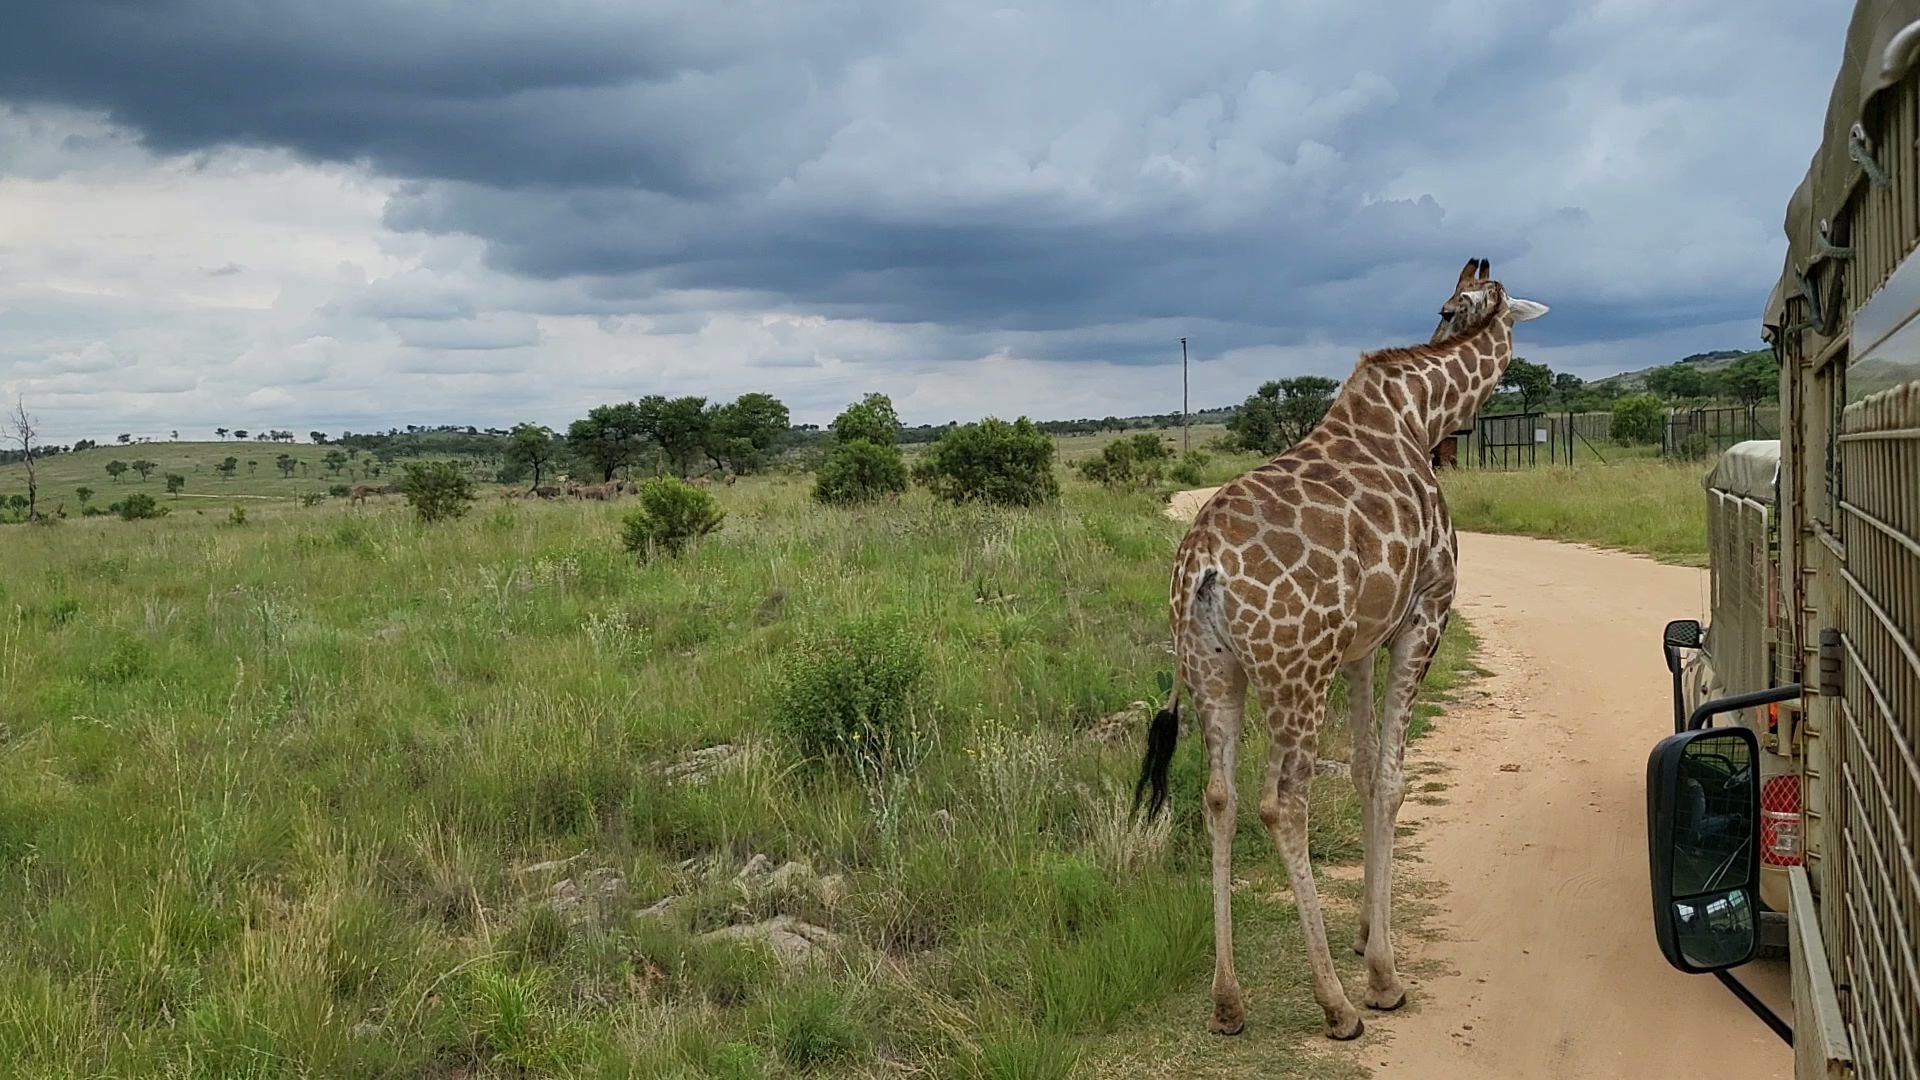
1293	723
1410	655
1361	766
1219	690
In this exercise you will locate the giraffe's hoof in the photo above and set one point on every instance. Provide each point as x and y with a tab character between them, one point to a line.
1229	1018
1344	1029
1360	944
1388	999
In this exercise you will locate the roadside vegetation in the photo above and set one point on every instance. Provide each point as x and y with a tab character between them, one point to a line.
1648	507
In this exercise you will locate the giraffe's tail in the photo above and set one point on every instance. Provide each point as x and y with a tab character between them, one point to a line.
1162	734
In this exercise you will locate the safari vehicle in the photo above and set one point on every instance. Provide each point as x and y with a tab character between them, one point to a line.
1842	655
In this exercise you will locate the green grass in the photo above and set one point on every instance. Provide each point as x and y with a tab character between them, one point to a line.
267	792
1646	507
59	477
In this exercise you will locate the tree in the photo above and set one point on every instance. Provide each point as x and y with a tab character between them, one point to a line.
1636	419
85	493
1533	382
21	427
1752	379
531	446
239	433
871	419
116	468
438	490
220	431
319	437
992	462
138	506
608	438
335	461
286	464
144	468
743	435
175	434
1566	386
865	464
678	426
1281	412
1677	382
227	467
252	466
123	438
175	484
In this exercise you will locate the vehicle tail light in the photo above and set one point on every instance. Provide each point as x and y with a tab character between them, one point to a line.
1780	820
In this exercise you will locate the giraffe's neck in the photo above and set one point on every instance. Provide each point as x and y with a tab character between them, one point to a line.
1407	405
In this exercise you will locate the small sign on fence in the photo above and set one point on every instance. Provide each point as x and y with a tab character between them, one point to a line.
1540	435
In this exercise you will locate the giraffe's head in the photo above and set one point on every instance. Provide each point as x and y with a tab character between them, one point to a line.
1476	294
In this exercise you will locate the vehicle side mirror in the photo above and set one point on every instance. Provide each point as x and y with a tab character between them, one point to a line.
1703	833
1682	634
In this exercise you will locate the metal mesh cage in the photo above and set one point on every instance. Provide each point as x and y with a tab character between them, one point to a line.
1879	777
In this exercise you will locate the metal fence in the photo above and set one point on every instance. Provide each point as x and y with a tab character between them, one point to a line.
1699	433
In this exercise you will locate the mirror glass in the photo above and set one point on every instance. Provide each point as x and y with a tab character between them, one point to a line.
1713	850
1717	930
1683	633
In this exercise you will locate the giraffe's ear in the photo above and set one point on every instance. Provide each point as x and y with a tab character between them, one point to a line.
1522	310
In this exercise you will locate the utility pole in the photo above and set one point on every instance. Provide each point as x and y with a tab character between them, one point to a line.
1186	428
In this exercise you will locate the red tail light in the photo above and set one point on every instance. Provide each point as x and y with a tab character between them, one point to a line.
1780	820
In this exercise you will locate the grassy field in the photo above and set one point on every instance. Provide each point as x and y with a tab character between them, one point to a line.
334	794
1644	506
255	477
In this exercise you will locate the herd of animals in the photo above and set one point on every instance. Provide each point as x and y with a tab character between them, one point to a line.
568	489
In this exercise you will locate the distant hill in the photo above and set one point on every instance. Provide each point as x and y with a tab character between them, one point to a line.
1636	380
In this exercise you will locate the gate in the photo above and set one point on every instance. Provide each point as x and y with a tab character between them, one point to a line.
1512	441
1699	433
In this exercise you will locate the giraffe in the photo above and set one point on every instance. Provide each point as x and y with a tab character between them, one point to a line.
1308	566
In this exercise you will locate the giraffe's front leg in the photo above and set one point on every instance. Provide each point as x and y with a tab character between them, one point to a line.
1360	766
1411	653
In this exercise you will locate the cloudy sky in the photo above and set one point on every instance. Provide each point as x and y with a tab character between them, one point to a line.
365	213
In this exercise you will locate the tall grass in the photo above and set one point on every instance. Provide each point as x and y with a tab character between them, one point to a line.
1647	507
268	794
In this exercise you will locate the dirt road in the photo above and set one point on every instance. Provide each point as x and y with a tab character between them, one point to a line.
1539	842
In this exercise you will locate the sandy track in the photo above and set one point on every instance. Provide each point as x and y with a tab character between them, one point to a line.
1543	919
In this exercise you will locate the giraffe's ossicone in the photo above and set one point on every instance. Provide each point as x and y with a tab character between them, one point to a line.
1308	566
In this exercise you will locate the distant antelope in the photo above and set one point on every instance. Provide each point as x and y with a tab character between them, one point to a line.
360	492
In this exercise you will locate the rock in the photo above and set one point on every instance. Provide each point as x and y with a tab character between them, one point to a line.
551	865
791	877
697	766
944	819
590	897
833	889
757	867
1511	766
1330	767
662	907
1124	726
793	941
365	1029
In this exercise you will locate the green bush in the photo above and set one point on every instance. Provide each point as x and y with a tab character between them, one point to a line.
860	471
339	491
671	515
992	462
138	506
175	483
311	498
848	692
438	490
1191	470
1637	419
1138	459
813	1027
237	516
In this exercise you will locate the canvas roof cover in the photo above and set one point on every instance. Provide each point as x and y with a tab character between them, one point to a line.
1883	43
1748	469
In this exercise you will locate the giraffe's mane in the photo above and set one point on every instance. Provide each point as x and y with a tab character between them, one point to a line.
1435	350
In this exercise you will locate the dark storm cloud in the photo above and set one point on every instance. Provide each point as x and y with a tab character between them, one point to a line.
1039	174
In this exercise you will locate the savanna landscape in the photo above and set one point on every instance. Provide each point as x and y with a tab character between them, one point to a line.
805	783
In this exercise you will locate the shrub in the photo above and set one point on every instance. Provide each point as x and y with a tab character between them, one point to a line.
1190	470
1636	419
1137	459
311	498
813	1027
992	462
860	471
237	516
339	491
138	506
437	490
848	692
671	515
